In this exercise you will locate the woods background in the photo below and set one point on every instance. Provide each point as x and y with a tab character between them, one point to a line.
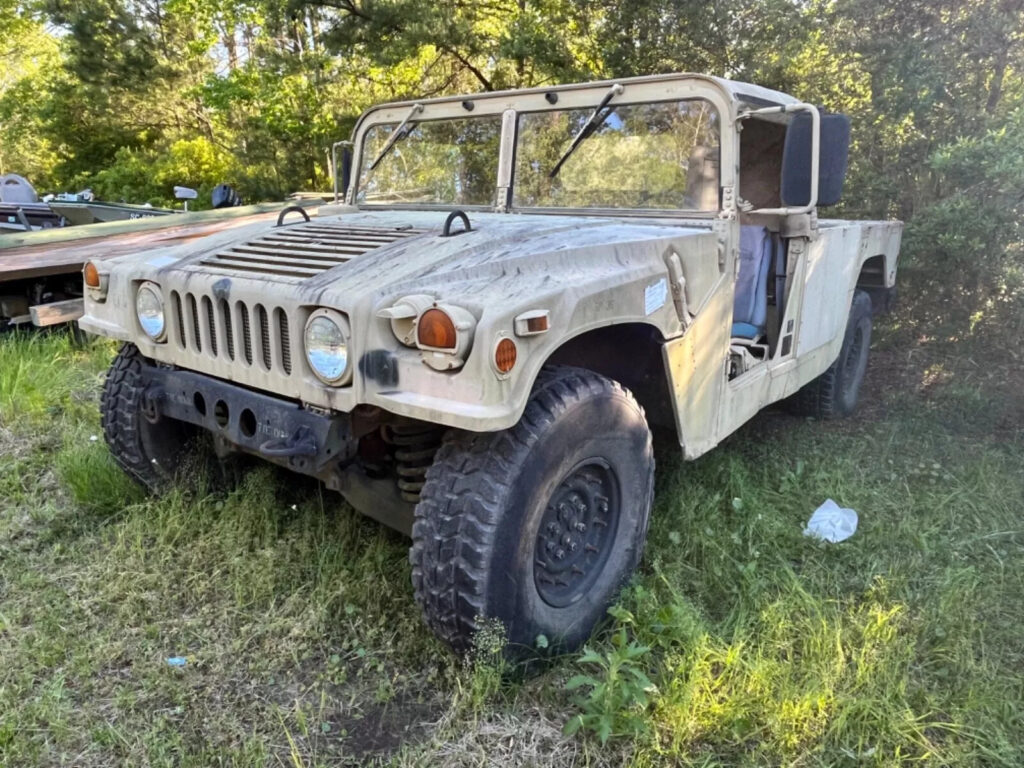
130	97
304	645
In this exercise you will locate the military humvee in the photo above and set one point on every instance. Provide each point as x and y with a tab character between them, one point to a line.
473	345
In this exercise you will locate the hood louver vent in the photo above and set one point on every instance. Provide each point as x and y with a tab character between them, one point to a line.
305	250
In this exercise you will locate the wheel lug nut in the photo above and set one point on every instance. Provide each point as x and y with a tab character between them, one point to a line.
573	546
580	527
550	546
552	528
559	554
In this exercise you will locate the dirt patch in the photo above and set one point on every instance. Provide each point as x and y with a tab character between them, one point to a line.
382	728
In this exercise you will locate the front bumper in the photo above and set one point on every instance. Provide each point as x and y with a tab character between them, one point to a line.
316	442
273	428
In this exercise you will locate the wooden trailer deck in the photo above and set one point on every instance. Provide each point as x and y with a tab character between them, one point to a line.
28	256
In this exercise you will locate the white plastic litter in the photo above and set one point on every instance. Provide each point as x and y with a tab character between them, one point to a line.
830	522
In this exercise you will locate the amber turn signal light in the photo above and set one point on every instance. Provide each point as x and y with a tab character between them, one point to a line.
435	329
505	355
92	275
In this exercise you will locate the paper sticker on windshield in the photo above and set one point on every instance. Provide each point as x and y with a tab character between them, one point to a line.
654	296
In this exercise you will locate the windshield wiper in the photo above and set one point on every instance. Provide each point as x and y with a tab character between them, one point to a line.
596	121
401	132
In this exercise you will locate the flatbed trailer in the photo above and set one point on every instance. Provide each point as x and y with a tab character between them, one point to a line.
41	271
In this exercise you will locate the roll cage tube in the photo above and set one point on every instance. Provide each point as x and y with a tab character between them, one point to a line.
812	201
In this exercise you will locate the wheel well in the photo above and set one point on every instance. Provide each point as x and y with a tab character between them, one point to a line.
631	354
871	280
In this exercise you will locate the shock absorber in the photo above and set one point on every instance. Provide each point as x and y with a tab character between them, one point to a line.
415	445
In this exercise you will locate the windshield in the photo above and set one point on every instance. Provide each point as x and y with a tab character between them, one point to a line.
649	156
441	162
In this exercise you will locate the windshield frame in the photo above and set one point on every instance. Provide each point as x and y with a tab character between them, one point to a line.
510	104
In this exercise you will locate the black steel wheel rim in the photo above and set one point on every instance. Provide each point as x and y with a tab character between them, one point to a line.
577	532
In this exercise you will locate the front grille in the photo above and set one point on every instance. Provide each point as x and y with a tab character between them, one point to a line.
220	328
304	250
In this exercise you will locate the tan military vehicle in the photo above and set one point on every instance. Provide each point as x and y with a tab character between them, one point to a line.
473	346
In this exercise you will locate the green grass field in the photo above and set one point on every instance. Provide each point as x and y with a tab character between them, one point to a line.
740	642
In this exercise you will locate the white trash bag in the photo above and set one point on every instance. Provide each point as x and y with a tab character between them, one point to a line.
830	522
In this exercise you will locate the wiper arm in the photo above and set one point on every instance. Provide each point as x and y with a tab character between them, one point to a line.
397	135
596	121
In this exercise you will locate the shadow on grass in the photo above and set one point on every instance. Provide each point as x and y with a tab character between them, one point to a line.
764	647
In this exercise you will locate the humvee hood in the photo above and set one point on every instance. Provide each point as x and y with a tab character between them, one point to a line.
396	252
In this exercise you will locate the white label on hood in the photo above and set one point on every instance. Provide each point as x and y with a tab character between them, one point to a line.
654	296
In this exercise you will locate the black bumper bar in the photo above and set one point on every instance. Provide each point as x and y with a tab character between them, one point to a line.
276	429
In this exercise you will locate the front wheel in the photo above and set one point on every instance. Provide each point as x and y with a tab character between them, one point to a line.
537	526
147	446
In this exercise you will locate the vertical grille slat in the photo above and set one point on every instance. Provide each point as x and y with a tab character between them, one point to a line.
246	333
194	335
286	341
211	323
229	335
179	318
263	320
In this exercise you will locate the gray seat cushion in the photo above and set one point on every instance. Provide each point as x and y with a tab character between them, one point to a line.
750	303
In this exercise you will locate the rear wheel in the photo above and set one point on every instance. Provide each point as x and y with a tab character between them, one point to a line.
537	526
150	448
836	391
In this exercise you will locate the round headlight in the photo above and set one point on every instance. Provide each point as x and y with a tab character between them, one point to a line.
149	306
327	346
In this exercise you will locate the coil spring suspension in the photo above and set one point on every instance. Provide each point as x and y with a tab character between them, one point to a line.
415	446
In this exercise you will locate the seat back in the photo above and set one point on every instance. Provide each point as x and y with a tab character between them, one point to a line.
750	302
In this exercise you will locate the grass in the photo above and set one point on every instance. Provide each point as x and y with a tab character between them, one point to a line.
740	642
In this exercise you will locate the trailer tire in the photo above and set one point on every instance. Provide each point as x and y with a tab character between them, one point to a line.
834	393
537	526
149	448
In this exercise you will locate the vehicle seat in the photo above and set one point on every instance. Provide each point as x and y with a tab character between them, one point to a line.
750	302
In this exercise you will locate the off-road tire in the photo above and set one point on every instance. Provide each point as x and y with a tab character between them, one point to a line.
477	528
834	394
151	449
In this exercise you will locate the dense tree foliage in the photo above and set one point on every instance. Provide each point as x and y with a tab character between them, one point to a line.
133	96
